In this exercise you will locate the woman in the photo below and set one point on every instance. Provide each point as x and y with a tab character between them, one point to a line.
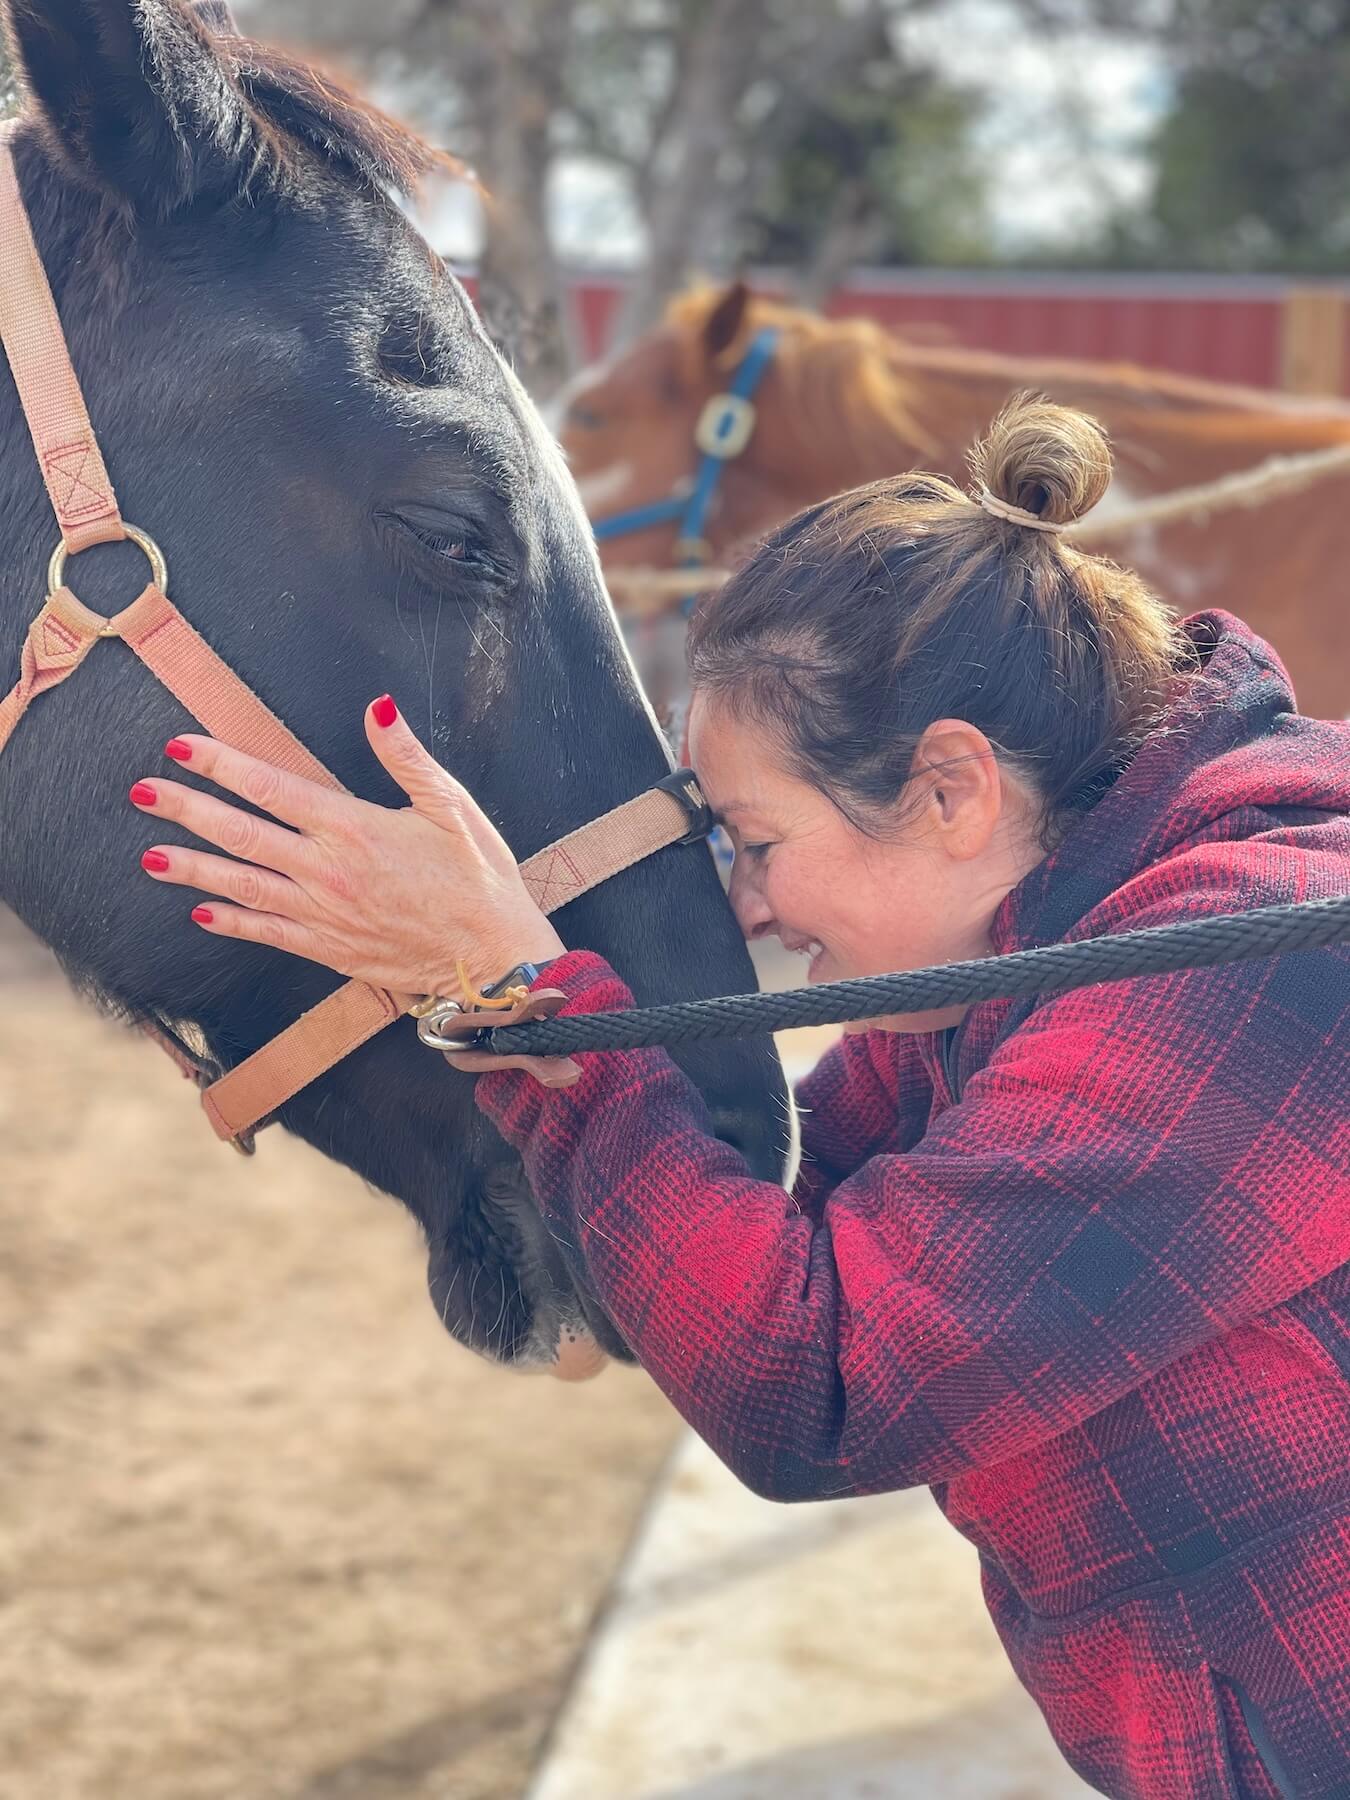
1082	1265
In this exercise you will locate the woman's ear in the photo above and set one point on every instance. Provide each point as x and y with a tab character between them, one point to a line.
962	785
134	95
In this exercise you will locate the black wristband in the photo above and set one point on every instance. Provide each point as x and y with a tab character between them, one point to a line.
523	975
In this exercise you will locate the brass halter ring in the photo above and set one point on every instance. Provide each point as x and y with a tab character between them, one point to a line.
159	568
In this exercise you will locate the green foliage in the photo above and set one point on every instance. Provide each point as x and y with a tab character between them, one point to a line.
899	150
1252	159
840	147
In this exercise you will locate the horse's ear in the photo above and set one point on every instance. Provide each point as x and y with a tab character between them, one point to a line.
723	324
134	95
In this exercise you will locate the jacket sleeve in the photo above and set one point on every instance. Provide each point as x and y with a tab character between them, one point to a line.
1137	1169
869	1092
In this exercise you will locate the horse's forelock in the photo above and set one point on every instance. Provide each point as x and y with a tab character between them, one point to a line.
308	107
205	68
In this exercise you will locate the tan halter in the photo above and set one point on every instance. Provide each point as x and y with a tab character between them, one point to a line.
65	631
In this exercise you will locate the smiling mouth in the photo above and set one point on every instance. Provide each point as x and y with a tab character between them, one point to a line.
811	948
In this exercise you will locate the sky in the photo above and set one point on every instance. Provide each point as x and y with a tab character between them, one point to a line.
1055	99
1060	139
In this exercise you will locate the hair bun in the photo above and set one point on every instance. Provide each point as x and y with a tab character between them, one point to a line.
1047	460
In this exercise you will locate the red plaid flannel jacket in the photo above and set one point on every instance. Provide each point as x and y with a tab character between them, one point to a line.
1098	1296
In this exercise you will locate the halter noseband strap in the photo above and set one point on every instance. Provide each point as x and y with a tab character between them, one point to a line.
65	631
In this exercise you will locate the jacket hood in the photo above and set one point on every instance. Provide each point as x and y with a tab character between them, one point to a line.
1230	742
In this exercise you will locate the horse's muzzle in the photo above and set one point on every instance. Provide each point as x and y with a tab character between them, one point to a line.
578	1357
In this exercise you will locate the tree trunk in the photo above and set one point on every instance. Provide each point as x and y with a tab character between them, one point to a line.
522	295
684	166
694	205
850	237
506	61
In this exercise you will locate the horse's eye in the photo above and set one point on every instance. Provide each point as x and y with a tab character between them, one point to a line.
452	549
583	418
446	541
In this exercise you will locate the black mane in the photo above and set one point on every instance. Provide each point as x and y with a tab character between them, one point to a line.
295	105
306	106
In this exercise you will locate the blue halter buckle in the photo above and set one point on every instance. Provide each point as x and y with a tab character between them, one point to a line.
724	430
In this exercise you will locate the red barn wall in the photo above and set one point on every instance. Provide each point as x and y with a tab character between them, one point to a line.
1225	329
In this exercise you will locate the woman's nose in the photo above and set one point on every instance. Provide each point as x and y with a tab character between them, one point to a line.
753	913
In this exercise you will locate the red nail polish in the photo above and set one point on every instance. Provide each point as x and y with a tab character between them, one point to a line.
203	915
155	862
385	711
178	750
143	794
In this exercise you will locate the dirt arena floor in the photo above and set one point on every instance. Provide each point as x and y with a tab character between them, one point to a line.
265	1532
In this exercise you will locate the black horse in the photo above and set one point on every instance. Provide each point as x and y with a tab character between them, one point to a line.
294	397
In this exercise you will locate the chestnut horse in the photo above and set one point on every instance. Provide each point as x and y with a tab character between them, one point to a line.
842	401
294	397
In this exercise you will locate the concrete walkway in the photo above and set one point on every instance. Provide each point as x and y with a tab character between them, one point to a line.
829	1652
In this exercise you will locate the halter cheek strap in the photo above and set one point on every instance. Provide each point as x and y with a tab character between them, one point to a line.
67	451
723	432
65	631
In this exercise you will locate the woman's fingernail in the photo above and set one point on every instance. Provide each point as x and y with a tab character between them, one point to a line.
385	711
155	862
178	750
203	915
144	795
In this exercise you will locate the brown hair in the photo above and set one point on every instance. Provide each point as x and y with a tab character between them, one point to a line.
863	619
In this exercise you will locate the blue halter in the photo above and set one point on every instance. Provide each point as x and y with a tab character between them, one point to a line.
725	427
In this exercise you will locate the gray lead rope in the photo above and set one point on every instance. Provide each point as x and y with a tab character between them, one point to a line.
1055	969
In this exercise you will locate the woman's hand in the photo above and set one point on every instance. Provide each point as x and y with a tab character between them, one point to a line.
396	898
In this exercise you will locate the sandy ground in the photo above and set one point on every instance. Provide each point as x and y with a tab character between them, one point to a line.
265	1533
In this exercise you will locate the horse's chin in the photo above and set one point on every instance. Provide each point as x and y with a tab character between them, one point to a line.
560	1330
568	1351
577	1357
576	1346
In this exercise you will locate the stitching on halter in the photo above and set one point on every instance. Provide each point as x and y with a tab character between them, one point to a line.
148	637
69	463
67	641
570	877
